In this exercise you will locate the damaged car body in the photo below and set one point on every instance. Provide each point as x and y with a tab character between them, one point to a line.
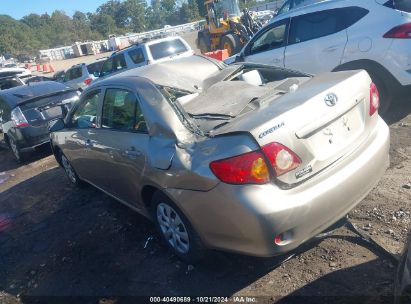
245	158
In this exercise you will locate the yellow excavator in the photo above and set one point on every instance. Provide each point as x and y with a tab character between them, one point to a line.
226	28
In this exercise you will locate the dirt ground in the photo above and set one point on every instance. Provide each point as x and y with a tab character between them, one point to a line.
58	241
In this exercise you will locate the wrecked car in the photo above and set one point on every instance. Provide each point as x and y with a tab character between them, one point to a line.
245	158
25	111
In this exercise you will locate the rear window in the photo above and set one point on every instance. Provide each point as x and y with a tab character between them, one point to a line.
167	48
401	5
9	83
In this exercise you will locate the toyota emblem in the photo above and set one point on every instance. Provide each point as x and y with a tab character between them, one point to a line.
331	99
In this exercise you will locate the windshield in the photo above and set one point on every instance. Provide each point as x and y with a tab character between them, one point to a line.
167	48
230	7
402	5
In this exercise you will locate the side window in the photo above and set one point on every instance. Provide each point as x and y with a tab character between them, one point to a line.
67	75
4	111
119	62
137	55
272	38
316	25
85	115
121	111
76	73
107	67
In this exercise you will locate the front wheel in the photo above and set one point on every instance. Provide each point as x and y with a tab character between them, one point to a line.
202	45
175	230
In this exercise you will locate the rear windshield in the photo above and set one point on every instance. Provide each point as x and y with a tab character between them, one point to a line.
167	48
401	5
8	83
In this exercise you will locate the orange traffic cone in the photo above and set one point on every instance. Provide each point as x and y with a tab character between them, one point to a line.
51	70
45	69
38	68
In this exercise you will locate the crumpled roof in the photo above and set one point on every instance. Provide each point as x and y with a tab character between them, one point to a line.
186	73
226	97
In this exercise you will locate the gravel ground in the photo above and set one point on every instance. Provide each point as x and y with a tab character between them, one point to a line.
57	240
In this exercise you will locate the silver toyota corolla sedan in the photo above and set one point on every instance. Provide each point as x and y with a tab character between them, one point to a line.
245	158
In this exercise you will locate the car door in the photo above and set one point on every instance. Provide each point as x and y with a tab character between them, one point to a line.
267	47
122	142
316	41
79	139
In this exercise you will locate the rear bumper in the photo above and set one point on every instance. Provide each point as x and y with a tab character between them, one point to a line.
31	137
246	219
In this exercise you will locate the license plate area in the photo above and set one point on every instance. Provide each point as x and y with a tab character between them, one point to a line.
336	136
53	112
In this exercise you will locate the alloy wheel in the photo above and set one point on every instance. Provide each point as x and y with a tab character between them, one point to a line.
69	169
173	228
14	149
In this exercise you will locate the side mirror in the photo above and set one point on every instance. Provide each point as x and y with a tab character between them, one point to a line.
56	125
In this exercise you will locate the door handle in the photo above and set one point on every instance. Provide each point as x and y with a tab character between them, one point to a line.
330	49
277	60
133	152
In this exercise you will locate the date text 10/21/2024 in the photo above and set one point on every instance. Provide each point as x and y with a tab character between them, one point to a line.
234	299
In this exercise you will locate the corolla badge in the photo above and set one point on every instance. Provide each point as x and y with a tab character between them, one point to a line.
331	99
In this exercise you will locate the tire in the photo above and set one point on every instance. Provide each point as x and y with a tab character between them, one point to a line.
231	43
175	230
15	150
70	172
202	45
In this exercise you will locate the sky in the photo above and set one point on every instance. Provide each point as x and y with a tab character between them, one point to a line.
19	8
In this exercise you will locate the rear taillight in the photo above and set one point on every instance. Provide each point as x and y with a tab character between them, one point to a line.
374	99
402	31
281	158
251	168
88	81
248	168
18	118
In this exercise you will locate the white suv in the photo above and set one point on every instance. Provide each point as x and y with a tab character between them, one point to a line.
334	35
150	52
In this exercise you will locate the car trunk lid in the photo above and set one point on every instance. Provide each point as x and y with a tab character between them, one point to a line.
323	120
40	110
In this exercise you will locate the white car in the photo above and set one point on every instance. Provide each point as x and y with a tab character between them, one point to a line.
374	35
20	72
150	52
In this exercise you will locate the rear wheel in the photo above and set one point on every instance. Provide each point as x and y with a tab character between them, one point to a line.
70	172
175	230
230	43
18	155
203	46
